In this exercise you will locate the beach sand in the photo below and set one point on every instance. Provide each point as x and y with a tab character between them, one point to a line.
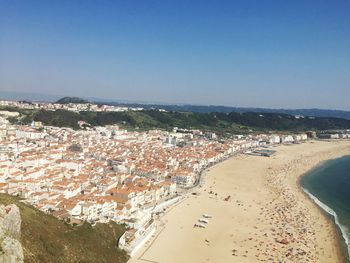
267	218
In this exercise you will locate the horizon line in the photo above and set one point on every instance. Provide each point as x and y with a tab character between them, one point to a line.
54	97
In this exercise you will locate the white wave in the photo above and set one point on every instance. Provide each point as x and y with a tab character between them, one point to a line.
343	229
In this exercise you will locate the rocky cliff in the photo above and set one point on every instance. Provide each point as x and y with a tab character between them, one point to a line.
46	239
10	233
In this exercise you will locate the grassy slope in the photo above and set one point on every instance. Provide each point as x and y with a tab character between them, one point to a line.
46	239
219	122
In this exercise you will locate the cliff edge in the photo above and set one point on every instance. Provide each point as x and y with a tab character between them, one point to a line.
10	233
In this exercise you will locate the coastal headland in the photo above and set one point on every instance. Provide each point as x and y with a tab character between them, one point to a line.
259	213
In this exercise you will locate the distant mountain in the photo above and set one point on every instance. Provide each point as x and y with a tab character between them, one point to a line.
66	100
27	96
174	107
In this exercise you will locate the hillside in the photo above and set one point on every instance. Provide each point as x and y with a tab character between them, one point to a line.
59	118
233	122
219	122
66	100
228	109
46	239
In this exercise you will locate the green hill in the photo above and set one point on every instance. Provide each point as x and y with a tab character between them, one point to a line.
47	239
66	100
219	122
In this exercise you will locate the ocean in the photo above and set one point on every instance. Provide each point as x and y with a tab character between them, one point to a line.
329	186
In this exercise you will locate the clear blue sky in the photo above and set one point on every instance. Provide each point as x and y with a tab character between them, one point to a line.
263	53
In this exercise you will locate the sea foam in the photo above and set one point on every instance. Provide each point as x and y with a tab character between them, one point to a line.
343	229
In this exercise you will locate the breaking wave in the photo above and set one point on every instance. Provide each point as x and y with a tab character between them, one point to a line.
343	229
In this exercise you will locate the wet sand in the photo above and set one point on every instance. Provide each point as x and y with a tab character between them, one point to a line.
260	214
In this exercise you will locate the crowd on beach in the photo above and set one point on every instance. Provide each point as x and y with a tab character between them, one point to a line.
292	234
285	223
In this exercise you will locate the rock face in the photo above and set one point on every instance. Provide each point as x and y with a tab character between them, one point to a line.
10	232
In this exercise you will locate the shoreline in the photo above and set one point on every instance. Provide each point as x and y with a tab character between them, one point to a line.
339	237
337	231
340	240
323	243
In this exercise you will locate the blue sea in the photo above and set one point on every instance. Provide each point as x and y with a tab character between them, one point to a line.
329	186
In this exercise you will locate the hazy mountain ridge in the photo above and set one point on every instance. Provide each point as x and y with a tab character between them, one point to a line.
313	112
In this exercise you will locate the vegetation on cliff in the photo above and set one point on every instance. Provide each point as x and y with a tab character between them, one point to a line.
46	239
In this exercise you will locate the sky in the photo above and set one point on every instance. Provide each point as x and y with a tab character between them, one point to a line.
244	53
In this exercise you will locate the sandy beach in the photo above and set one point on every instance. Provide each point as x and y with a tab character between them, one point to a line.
260	214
